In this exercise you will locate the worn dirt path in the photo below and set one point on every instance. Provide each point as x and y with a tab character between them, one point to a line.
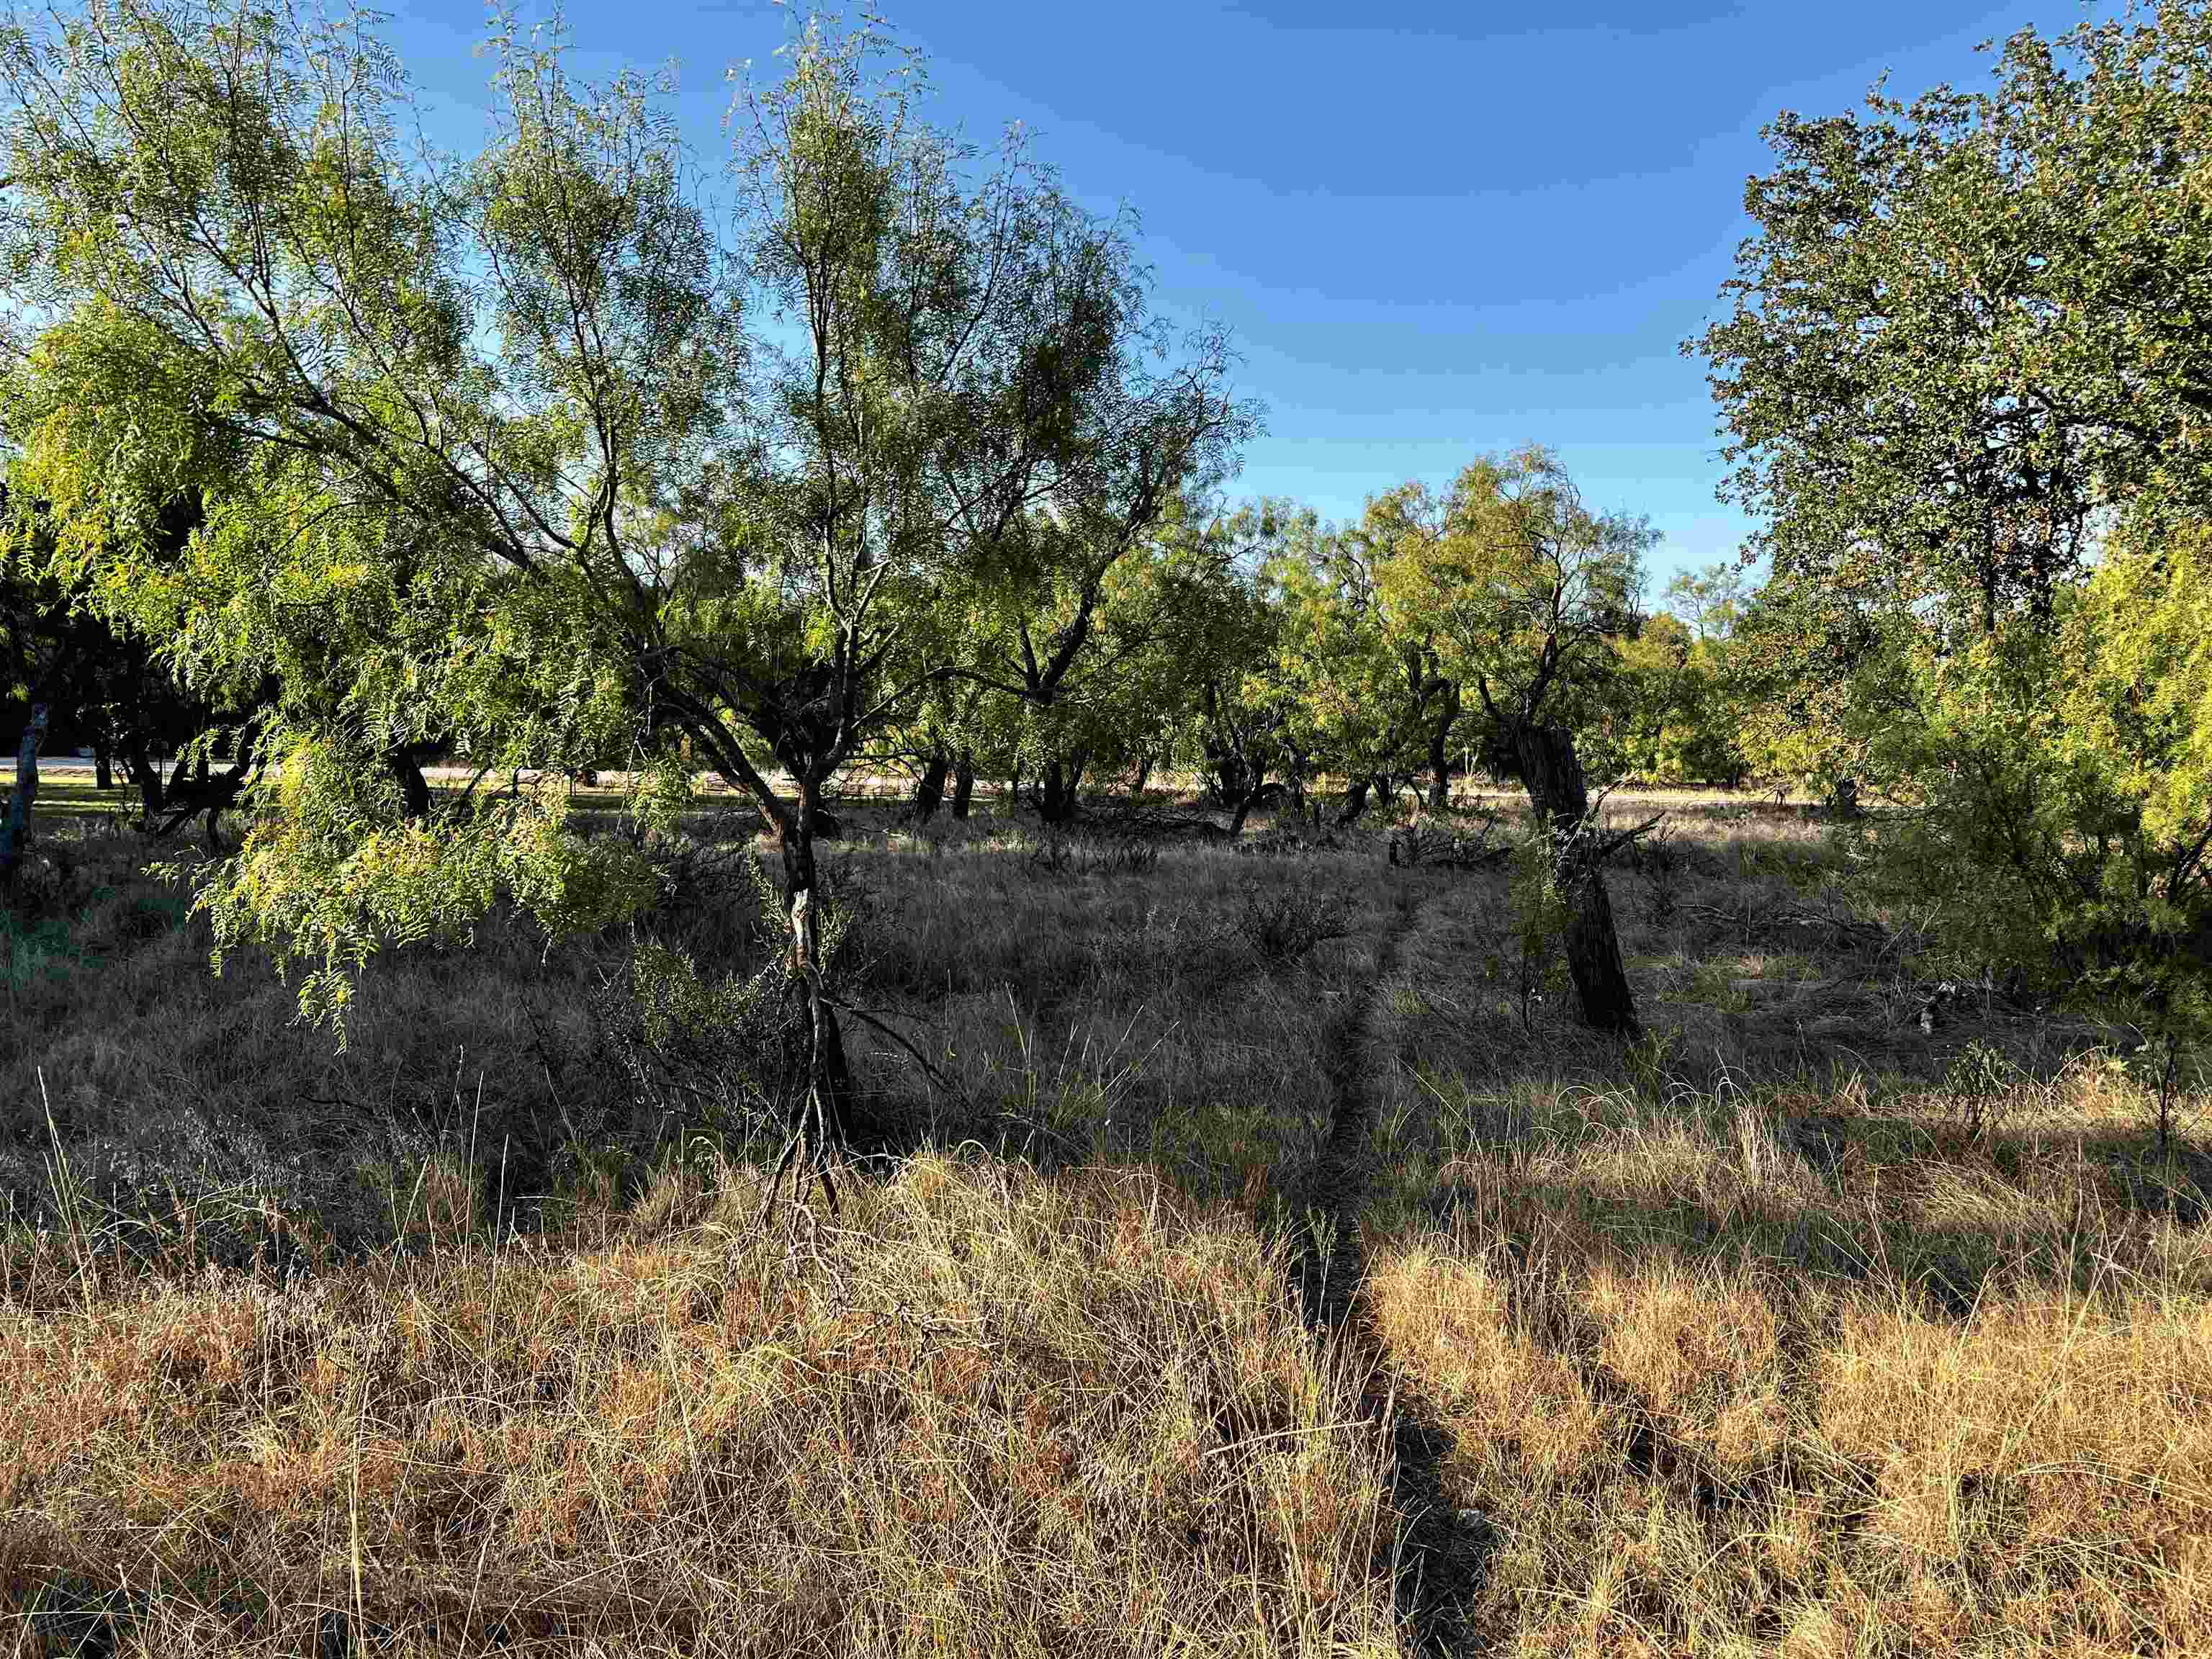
1438	1562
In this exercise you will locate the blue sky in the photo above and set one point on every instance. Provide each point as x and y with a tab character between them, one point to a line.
1435	229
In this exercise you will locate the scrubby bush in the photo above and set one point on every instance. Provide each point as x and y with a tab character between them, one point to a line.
1281	925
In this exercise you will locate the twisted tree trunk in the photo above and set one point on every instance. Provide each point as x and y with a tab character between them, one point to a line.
820	1129
1554	777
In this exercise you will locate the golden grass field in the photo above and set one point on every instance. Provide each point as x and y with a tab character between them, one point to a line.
1348	1304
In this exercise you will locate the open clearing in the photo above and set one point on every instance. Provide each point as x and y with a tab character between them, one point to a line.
1219	1296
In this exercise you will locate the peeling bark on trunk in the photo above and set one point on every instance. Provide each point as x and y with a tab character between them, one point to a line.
16	831
1554	777
964	783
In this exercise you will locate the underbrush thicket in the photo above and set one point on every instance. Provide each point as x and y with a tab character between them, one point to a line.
1853	1309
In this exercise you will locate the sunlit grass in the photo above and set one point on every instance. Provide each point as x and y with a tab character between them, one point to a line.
1794	1329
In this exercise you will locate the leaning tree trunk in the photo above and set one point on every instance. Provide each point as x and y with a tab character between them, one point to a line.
929	790
1258	793
964	783
819	1130
16	831
1439	770
1554	777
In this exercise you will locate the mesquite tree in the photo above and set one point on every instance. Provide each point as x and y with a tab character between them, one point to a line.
1524	588
1363	692
491	443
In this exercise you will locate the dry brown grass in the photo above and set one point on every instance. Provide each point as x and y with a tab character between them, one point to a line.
984	1413
1795	1330
1746	1357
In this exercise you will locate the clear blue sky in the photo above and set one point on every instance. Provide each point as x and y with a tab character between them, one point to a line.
1435	229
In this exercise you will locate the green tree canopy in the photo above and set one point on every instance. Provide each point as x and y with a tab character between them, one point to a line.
529	458
1965	376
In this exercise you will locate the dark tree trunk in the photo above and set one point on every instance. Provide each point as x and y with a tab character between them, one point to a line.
820	1133
1440	753
138	766
413	785
1057	789
929	790
15	829
1553	778
103	765
1144	775
1258	795
964	783
1355	803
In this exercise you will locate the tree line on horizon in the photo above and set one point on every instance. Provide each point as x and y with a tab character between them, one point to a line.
332	457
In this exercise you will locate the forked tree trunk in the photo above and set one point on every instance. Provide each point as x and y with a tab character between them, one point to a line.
1553	778
964	783
929	789
1056	790
15	829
